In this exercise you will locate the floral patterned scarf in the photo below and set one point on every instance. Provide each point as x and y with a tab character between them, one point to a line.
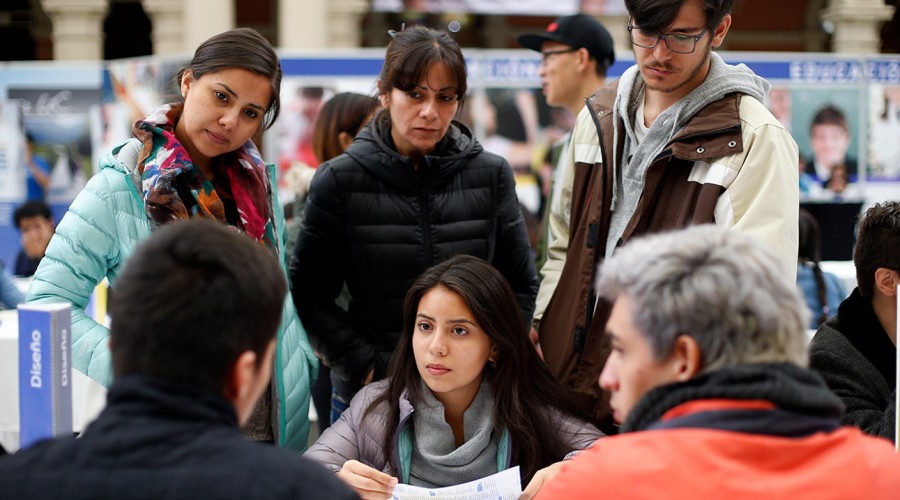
164	163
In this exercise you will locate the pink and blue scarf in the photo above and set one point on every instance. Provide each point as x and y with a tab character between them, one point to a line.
164	162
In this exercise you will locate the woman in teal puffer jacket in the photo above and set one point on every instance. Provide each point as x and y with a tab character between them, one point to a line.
192	158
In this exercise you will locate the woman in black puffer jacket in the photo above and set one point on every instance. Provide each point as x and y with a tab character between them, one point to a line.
414	189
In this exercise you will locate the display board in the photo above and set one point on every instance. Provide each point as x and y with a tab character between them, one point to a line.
77	112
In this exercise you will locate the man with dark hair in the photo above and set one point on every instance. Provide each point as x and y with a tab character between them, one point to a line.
194	320
575	52
681	139
34	221
856	351
708	379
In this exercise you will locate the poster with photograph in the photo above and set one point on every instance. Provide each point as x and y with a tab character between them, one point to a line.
12	173
301	102
289	143
131	89
59	123
12	179
884	133
826	123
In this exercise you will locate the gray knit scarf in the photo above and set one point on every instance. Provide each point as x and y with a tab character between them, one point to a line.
723	79
436	461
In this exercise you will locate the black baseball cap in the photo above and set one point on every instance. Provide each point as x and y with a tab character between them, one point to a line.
578	30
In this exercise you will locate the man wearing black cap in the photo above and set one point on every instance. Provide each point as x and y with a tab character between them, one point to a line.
682	138
576	52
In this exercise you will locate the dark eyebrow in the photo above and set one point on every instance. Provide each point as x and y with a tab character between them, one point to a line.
445	89
685	31
449	321
252	105
455	321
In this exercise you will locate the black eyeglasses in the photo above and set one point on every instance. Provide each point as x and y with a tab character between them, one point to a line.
546	55
678	43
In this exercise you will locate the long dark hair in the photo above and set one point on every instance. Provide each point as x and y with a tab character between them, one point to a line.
809	252
345	112
524	390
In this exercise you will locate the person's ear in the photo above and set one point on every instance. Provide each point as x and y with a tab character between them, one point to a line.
718	35
344	139
687	359
187	78
886	281
584	58
240	383
384	95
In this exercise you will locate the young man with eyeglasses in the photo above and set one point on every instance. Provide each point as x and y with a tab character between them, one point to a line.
681	139
576	51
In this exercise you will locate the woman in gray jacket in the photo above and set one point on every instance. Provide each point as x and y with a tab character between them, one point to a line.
466	397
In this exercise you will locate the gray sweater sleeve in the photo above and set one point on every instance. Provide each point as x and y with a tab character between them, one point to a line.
357	435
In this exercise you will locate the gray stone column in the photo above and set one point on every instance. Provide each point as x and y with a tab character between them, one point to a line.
318	25
77	28
345	22
302	25
205	18
857	24
167	17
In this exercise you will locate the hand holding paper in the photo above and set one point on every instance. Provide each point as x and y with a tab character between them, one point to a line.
366	481
538	480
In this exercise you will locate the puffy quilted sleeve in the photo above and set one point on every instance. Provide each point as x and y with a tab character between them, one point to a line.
84	250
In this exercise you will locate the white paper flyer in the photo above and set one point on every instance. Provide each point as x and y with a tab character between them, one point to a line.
506	485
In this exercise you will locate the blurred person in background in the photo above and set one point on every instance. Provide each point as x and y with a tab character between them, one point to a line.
823	291
339	120
10	295
34	221
337	123
38	171
576	51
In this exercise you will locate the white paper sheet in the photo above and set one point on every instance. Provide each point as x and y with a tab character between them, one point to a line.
506	485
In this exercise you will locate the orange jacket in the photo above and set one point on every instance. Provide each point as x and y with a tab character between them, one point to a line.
701	463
